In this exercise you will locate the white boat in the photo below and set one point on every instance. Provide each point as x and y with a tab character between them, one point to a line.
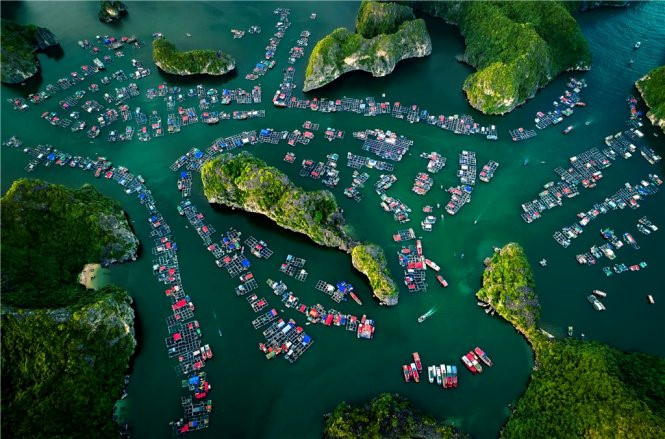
433	265
431	372
597	305
637	45
599	293
438	374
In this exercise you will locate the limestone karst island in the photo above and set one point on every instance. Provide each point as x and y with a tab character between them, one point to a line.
361	219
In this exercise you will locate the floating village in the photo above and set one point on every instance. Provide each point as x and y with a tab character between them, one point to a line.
96	99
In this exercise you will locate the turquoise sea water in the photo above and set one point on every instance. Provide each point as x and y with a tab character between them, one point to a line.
254	397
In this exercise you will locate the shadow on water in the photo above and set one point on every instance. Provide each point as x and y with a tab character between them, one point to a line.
55	52
262	223
10	10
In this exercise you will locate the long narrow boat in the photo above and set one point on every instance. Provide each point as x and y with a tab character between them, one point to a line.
414	373
468	364
355	298
438	375
407	373
483	356
454	376
416	360
450	375
443	376
431	372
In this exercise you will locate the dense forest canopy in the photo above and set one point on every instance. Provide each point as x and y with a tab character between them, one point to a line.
579	389
386	416
49	232
652	88
64	348
171	60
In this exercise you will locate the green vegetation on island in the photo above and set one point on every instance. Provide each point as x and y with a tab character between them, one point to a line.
64	349
18	44
509	287
110	11
386	416
245	182
578	388
49	232
386	34
517	47
193	62
652	88
370	260
376	18
63	369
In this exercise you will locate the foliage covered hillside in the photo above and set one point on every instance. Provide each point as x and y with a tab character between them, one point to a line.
64	349
375	18
652	88
386	416
579	389
193	62
49	232
517	47
62	369
386	33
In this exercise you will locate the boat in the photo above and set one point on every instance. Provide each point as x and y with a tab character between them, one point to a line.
431	372
483	356
570	331
454	375
444	376
650	299
414	373
419	247
416	360
426	315
597	305
437	369
449	373
407	373
432	265
441	280
355	298
475	361
637	45
568	129
599	293
468	364
543	262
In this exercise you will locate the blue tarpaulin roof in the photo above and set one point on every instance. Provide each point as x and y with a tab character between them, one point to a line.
183	174
198	154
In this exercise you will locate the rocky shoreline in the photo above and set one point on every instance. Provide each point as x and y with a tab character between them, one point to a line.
111	11
194	62
650	87
378	55
19	46
247	183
